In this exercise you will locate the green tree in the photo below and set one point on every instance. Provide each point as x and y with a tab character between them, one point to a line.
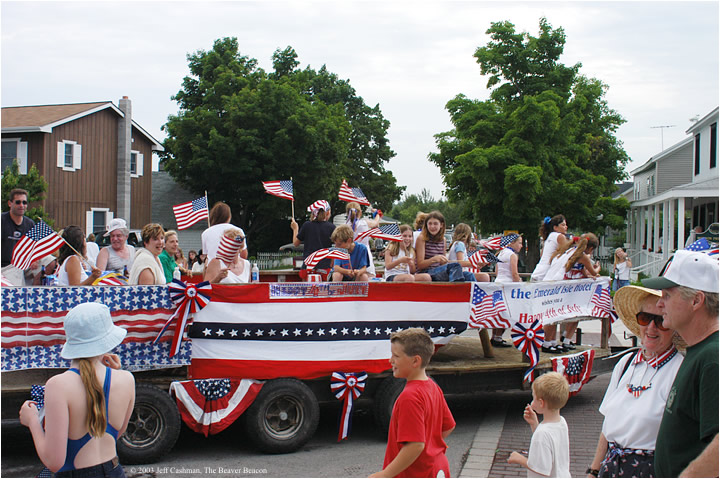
406	210
542	144
369	149
237	127
33	183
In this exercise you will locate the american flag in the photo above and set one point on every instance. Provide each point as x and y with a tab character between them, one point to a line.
703	246
528	339
482	257
311	330
33	334
389	232
336	253
492	243
228	249
602	302
187	214
209	406
487	309
111	278
352	194
37	243
576	368
281	189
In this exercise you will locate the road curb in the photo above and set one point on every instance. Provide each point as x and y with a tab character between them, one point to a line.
482	451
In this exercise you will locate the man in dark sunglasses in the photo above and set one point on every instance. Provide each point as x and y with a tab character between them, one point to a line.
687	443
14	225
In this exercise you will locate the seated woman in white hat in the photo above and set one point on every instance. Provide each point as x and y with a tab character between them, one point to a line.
88	406
639	387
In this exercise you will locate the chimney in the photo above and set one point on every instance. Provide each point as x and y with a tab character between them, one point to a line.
123	163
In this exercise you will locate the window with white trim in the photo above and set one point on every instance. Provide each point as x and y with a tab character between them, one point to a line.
14	149
69	155
97	219
136	164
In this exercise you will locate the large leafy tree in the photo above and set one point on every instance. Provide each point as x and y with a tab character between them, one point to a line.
542	144
406	210
238	125
369	149
33	183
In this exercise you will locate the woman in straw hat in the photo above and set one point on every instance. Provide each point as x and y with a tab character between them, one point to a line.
87	407
639	387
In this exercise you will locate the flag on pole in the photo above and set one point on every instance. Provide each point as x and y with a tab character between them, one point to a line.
37	243
111	279
352	194
336	253
281	189
492	243
187	214
389	232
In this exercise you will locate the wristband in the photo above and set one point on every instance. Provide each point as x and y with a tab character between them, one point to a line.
592	472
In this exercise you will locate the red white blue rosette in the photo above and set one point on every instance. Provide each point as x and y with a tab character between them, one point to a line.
347	388
529	341
188	299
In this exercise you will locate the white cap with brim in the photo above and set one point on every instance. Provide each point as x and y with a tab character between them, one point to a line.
117	224
90	332
690	269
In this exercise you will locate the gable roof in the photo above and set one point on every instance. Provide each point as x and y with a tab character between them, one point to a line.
43	118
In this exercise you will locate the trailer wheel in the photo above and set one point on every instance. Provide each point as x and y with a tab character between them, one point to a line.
153	428
283	417
385	397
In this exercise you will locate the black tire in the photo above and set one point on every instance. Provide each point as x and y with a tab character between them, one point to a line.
385	396
283	417
153	429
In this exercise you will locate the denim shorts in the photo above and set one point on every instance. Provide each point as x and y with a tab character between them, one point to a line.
111	468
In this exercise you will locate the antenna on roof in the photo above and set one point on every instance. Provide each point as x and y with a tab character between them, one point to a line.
662	128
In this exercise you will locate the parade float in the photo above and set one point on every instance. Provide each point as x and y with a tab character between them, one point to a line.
270	353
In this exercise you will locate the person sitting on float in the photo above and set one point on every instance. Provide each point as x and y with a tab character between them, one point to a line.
228	267
73	261
146	268
117	257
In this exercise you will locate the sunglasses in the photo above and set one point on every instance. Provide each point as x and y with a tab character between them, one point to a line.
644	319
240	239
21	202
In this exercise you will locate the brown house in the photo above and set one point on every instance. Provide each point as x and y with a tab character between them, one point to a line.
96	159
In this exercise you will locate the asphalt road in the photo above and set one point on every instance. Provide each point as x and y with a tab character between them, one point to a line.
230	453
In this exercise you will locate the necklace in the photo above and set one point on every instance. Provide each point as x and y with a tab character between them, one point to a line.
656	363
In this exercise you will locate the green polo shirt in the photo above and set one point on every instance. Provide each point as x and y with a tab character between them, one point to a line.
168	264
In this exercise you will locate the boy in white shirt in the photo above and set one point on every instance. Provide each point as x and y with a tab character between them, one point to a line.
549	454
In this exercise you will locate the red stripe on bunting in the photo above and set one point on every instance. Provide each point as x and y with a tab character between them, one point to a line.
436	293
242	369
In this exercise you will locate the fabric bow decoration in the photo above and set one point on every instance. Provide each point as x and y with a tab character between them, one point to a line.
188	299
528	340
347	388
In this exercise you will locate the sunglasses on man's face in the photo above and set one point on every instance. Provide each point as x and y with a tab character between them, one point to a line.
20	202
644	319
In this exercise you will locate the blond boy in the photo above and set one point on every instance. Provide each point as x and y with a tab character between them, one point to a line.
421	419
549	454
356	268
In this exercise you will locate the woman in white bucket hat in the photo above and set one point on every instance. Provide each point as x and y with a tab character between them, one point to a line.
87	407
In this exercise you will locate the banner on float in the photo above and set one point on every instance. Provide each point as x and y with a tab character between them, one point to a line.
498	305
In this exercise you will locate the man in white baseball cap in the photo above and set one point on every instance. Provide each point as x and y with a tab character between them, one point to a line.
687	443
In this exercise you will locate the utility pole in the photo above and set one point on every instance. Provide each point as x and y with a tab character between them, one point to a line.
662	128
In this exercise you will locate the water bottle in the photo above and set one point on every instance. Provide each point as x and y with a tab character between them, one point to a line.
255	273
176	273
50	280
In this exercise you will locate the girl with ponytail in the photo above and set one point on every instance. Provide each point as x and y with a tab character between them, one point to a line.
359	225
87	404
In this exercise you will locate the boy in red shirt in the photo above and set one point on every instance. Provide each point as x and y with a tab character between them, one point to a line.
421	419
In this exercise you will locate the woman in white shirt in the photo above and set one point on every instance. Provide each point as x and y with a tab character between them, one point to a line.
227	266
73	261
639	387
621	269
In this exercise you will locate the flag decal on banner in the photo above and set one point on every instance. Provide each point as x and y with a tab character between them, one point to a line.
576	368
187	214
487	309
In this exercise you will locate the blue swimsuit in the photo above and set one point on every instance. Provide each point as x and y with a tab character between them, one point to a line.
74	445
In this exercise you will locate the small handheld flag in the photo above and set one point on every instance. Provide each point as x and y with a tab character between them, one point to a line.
281	189
389	232
187	214
37	243
352	194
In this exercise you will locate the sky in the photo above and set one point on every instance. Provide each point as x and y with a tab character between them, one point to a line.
658	59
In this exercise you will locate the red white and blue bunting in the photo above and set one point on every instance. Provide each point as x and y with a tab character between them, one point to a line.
528	339
347	388
188	299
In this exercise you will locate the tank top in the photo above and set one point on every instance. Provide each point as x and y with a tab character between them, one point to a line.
74	445
116	262
549	247
62	276
233	278
503	266
433	248
402	268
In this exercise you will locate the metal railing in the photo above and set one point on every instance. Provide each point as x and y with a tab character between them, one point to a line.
275	260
